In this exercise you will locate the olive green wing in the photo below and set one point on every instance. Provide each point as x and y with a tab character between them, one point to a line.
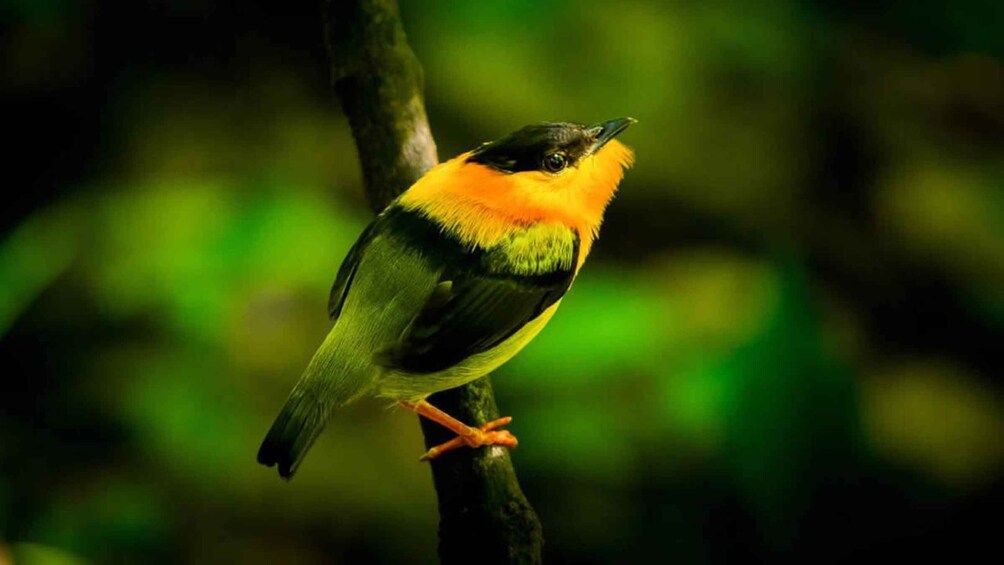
483	299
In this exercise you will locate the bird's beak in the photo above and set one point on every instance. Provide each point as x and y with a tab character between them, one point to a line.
605	131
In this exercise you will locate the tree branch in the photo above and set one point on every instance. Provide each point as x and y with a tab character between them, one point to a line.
379	82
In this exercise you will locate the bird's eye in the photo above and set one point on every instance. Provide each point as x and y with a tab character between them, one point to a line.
555	162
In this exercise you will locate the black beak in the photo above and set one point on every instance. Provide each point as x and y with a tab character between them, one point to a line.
605	131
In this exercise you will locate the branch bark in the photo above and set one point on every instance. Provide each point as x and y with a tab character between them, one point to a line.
484	516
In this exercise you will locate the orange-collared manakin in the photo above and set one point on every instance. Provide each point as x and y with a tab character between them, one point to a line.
456	276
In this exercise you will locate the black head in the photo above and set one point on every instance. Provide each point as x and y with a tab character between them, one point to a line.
547	147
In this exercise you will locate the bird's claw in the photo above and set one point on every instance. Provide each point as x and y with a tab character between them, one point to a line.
486	434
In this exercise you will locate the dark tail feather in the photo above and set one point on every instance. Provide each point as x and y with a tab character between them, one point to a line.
293	432
328	382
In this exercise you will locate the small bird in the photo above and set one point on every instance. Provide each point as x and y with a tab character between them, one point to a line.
454	278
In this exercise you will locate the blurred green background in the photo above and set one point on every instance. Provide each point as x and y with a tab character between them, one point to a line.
785	347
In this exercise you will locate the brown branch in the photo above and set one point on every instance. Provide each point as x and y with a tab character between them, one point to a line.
484	516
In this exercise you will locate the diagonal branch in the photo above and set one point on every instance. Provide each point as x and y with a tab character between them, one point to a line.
379	82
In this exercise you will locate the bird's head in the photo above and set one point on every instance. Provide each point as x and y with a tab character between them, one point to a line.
546	153
557	172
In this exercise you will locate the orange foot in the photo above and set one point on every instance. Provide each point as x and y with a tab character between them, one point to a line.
478	437
466	435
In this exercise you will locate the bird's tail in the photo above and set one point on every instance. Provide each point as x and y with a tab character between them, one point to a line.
323	387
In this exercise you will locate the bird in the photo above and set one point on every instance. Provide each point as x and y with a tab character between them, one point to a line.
454	277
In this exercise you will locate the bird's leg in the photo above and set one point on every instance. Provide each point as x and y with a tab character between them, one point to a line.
466	435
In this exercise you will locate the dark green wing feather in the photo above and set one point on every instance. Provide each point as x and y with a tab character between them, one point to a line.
343	280
480	305
484	296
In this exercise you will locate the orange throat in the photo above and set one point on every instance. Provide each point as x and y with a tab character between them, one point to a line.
480	205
